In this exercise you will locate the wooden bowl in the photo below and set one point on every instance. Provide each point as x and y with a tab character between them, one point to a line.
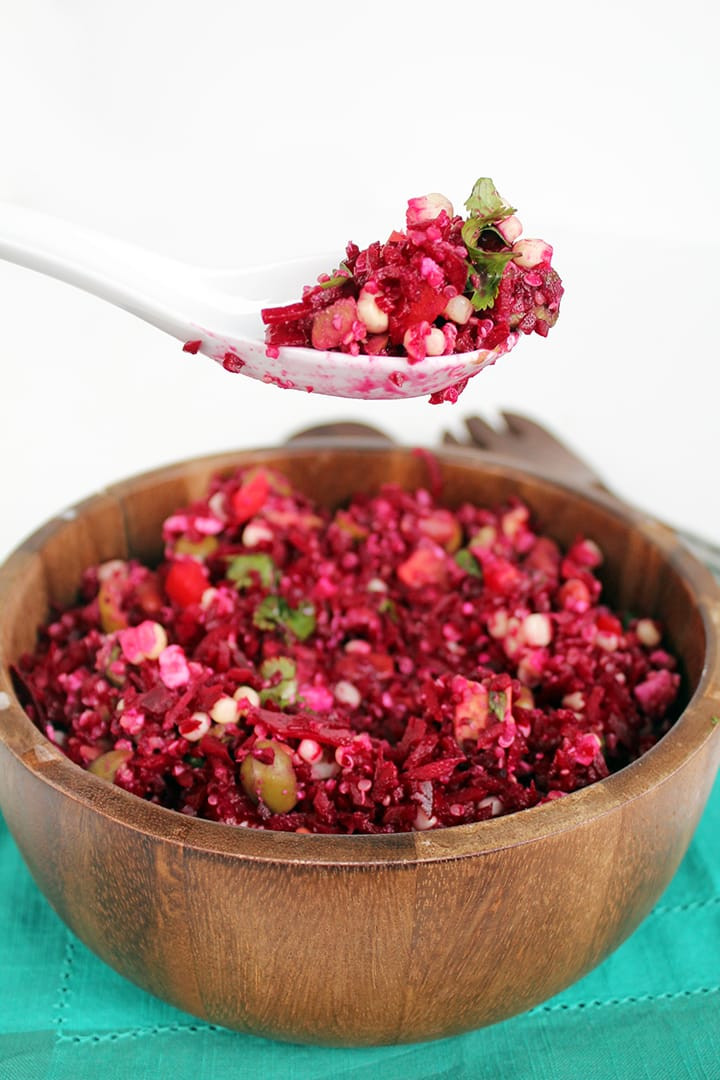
351	940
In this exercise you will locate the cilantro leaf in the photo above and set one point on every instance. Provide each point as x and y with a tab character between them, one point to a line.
275	611
278	665
271	612
301	620
242	569
388	607
285	690
479	235
497	700
486	205
467	562
485	274
338	277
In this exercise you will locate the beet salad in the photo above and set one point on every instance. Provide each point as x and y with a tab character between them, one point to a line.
444	285
389	666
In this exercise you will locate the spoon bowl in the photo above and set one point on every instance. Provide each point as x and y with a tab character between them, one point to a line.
218	311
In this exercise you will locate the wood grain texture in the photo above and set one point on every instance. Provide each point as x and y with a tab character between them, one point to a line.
362	939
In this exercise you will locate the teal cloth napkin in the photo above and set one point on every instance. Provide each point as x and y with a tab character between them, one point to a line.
651	1011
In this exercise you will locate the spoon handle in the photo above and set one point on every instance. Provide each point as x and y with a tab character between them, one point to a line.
155	288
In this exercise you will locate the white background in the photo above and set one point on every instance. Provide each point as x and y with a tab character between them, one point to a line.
230	134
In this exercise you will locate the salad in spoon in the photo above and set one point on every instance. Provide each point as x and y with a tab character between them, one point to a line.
445	286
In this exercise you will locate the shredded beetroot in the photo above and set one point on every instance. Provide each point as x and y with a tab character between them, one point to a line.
445	285
232	362
394	665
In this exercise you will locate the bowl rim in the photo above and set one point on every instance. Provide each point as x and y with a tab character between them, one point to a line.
688	736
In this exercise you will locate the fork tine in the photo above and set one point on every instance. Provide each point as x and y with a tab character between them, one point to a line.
539	445
522	427
451	440
519	424
482	433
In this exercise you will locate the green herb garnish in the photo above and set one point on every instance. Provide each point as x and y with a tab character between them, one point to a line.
243	568
275	611
285	690
467	562
486	207
388	607
497	700
485	274
338	277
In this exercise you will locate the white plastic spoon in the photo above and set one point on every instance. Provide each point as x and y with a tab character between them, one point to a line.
221	309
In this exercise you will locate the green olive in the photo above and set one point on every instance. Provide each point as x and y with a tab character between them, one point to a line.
275	783
108	764
112	617
199	549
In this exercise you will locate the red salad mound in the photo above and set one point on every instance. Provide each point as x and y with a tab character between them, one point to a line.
445	285
390	666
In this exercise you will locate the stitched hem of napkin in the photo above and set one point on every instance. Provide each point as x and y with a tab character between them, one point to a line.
639	999
62	1001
